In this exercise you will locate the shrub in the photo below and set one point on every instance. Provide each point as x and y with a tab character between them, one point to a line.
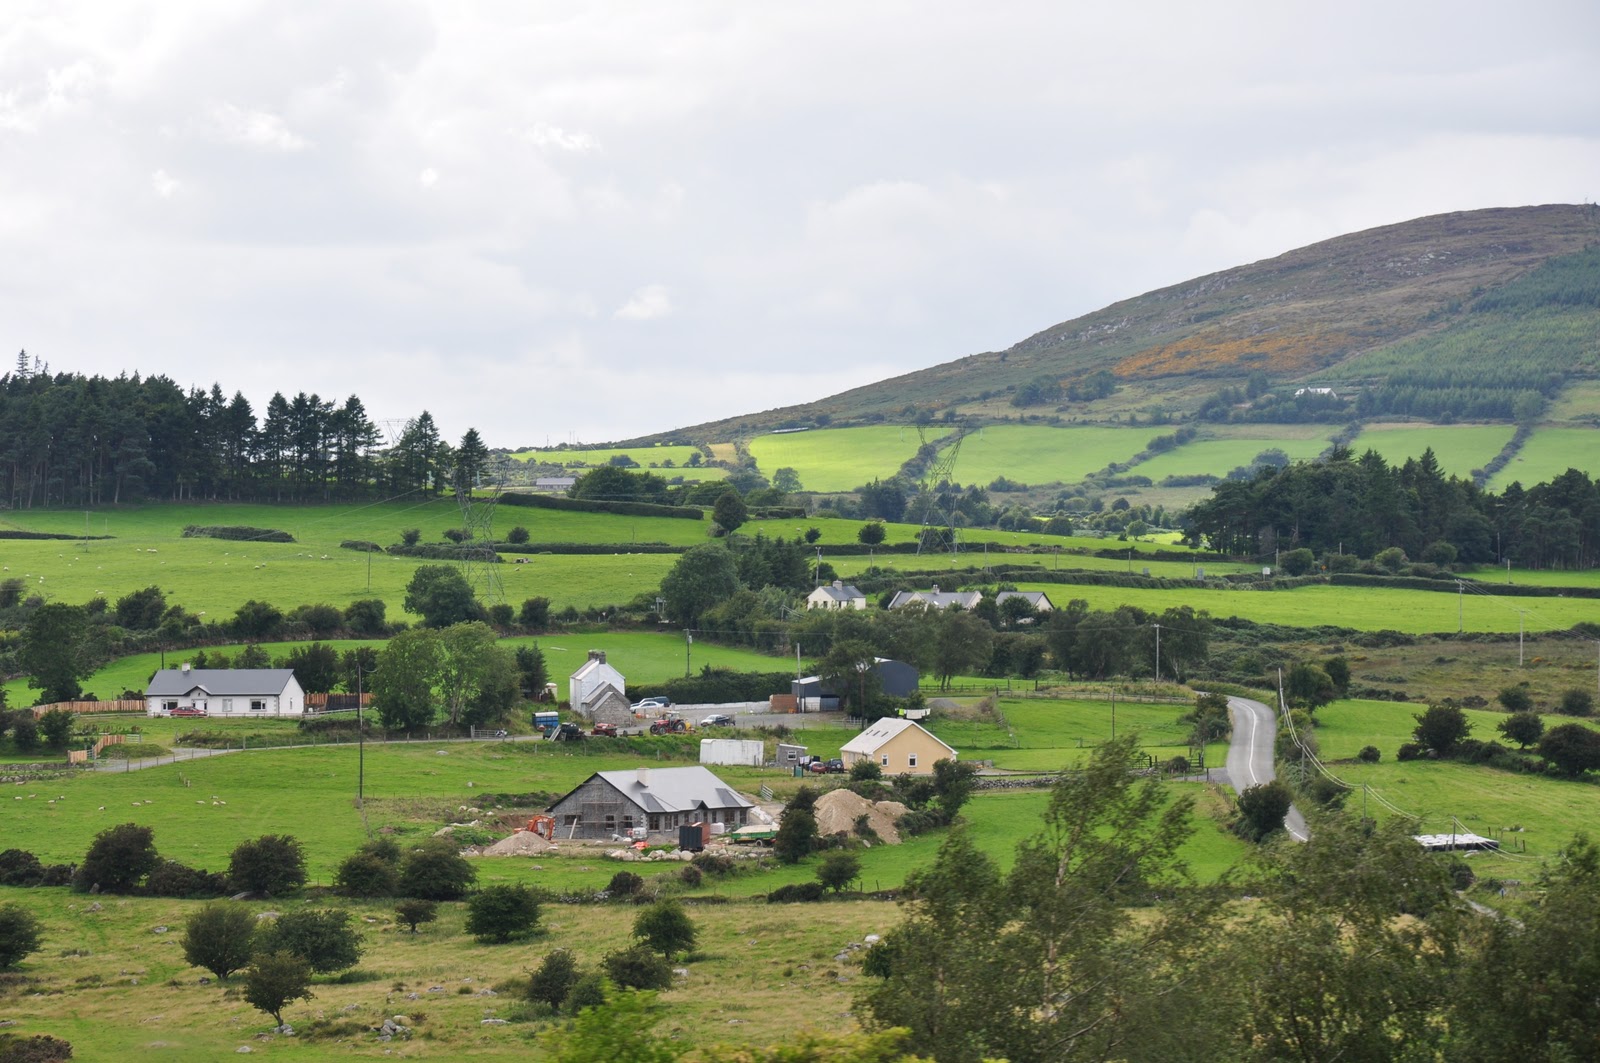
865	771
553	980
638	968
1575	702
714	863
589	991
173	879
55	727
665	927
691	876
19	935
498	914
624	884
838	870
435	871
322	937
413	913
365	874
795	893
276	980
1515	699
1408	751
18	867
40	1048
519	535
411	536
1261	810
118	859
272	863
1369	755
220	938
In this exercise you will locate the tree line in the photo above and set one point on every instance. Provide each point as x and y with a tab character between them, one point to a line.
1358	507
73	440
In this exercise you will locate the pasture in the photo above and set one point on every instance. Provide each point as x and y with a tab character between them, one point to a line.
647	457
1039	454
1458	448
1548	453
1221	456
840	459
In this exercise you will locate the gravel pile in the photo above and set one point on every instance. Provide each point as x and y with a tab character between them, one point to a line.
838	810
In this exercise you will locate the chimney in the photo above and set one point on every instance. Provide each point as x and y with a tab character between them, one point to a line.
936	588
186	667
601	657
839	584
643	776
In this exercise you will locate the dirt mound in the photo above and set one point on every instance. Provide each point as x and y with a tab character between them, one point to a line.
838	810
522	843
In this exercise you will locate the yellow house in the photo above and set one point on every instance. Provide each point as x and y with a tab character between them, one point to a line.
899	747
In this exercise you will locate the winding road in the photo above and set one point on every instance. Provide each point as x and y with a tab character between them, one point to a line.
1250	755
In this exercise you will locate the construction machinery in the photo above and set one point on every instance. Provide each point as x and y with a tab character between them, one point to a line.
543	826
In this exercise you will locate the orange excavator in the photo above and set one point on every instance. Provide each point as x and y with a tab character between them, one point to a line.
544	826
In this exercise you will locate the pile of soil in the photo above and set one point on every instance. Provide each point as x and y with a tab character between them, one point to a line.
838	810
522	843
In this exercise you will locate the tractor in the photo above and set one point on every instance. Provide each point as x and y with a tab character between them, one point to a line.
604	730
669	725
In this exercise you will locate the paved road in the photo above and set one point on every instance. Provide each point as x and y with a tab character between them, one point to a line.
1250	754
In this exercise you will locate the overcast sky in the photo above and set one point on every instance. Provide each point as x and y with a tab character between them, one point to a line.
586	221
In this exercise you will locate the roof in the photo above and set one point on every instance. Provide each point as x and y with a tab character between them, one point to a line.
219	682
839	592
882	732
937	599
593	665
1033	597
675	789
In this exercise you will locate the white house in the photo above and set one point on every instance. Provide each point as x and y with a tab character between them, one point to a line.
1332	394
1039	600
837	595
937	599
225	692
594	683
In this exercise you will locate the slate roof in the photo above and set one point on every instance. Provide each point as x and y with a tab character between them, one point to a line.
675	790
839	592
876	736
937	599
220	682
1034	598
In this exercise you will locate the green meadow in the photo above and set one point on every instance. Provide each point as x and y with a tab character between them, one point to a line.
1038	454
840	459
645	456
1458	448
1548	453
1221	456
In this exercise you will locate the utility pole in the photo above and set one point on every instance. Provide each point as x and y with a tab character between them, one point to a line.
1158	652
361	737
1521	615
1461	607
1113	715
688	641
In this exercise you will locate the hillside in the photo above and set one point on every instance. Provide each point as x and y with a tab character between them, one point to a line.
1375	302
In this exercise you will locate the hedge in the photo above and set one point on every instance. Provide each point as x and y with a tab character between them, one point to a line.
240	532
361	544
12	533
717	687
589	548
445	552
587	505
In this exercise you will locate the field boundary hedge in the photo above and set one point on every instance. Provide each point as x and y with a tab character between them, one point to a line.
589	548
15	533
589	505
237	533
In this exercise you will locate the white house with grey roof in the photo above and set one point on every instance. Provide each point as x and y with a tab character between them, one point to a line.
612	803
225	692
836	595
937	599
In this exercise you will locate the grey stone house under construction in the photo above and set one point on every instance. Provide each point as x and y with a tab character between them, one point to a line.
611	803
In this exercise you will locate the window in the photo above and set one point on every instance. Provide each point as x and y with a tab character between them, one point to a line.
227	705
169	705
911	760
611	824
258	706
886	760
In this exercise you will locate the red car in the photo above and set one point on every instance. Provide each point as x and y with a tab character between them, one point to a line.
187	712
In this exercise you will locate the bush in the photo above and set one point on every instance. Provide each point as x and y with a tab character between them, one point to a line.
795	893
1369	755
714	863
589	991
1576	702
435	871
519	535
365	874
40	1048
1408	751
498	914
865	771
322	937
220	938
665	927
19	935
552	982
1515	699
624	884
414	913
18	867
838	870
1261	810
173	879
691	876
55	727
638	968
275	980
118	859
272	863
237	533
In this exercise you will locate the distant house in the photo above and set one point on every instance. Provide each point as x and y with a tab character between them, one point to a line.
1039	600
598	692
612	803
1332	394
225	692
898	747
558	484
937	599
895	678
836	595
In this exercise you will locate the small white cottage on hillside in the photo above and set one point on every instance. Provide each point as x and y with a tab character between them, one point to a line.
594	683
837	595
225	692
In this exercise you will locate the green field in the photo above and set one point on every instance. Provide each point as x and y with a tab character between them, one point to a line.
1037	454
1458	448
645	456
840	459
1548	453
1221	456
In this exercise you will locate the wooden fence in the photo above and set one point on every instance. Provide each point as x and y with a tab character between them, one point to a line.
86	707
83	756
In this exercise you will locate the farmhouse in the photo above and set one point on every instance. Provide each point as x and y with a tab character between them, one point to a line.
895	678
599	693
899	747
1039	600
225	692
837	595
1332	394
612	803
937	599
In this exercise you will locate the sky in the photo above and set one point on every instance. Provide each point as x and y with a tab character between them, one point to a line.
583	222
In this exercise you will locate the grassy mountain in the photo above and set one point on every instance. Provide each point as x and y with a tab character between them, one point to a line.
1449	301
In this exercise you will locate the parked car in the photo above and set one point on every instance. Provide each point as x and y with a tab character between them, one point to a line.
190	711
717	719
825	767
652	704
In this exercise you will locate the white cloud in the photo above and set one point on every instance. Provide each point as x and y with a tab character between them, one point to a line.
256	129
647	304
165	185
428	178
550	136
